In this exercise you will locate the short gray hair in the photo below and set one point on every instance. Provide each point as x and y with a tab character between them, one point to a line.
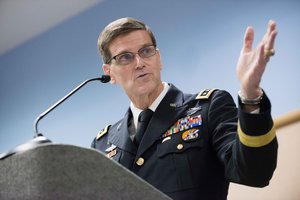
116	28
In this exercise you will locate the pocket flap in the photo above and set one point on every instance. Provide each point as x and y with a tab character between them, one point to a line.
177	145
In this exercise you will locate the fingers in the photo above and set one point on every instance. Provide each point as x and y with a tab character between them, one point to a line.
262	55
248	40
269	40
270	36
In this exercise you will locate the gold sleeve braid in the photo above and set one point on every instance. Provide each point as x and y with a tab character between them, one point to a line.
256	141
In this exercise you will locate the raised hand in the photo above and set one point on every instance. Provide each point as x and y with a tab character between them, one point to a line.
252	62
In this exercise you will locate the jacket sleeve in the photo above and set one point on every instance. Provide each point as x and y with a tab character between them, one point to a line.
245	143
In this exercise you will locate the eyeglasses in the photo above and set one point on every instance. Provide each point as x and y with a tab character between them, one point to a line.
128	57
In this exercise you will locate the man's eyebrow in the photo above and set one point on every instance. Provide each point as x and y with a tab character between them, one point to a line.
142	46
122	52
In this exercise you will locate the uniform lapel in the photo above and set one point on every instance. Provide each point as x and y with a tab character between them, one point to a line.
119	135
166	114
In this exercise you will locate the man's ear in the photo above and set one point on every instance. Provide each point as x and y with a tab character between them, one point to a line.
106	70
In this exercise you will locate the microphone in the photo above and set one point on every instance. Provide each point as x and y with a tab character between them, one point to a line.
39	138
103	79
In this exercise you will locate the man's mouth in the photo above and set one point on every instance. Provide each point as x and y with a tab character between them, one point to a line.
142	75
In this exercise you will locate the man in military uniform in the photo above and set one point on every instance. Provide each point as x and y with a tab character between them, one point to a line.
189	146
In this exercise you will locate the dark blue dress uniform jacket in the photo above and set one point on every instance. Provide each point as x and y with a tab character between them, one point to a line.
227	145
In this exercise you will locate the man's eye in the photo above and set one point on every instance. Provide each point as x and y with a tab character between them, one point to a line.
145	51
125	57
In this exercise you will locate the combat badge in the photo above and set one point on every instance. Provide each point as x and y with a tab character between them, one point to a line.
193	110
190	135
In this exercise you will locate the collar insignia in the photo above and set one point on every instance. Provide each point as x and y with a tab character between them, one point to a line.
173	105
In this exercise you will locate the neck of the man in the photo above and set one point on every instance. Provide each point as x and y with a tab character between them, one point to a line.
144	101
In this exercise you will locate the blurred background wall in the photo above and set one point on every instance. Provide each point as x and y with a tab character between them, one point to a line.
48	47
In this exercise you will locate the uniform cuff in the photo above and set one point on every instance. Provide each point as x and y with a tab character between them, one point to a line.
256	130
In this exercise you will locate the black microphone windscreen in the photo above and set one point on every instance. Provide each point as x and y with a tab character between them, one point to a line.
105	78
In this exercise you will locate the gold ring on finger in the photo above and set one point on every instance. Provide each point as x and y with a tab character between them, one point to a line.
269	52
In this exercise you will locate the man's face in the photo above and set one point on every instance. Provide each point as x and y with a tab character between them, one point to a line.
142	75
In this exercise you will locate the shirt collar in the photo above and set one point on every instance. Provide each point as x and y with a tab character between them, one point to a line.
136	111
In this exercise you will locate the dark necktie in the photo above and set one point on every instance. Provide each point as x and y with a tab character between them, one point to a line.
143	122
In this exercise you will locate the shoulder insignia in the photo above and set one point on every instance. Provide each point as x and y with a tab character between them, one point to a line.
103	132
205	94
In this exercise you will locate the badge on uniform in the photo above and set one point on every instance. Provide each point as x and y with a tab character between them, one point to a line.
190	135
166	139
112	151
193	110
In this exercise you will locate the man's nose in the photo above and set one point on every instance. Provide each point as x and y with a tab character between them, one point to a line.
139	61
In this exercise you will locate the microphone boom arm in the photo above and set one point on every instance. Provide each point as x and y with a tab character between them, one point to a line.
103	79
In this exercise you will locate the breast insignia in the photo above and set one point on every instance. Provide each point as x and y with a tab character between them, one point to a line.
103	132
205	94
